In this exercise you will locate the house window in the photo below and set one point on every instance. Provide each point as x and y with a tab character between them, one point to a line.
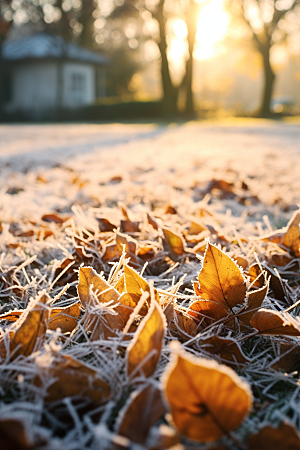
77	83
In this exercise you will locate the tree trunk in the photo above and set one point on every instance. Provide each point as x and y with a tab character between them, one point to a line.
191	22
169	90
269	79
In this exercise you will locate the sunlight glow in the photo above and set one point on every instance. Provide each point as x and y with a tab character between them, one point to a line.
212	26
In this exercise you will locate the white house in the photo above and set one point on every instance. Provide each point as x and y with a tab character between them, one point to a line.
46	74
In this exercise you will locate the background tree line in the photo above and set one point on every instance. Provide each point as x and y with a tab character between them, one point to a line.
120	27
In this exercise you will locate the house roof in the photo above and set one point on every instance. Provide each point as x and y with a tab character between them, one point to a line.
45	45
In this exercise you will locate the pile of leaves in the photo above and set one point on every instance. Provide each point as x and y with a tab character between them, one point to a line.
154	332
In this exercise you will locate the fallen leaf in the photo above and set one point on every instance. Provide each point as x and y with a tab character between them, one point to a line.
29	330
143	409
72	378
206	312
56	218
286	437
135	285
14	435
197	228
143	353
227	349
221	280
106	225
278	285
173	244
182	326
65	318
91	285
289	236
127	226
152	222
289	357
130	245
206	399
170	210
275	323
254	301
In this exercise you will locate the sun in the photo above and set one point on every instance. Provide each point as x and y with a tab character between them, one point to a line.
212	26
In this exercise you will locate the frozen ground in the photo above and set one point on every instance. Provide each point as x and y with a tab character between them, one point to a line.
239	177
153	160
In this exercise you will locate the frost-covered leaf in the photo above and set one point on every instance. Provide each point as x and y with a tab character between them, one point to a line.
220	279
206	399
143	409
144	351
275	323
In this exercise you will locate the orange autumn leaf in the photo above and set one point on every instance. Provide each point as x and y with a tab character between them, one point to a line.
173	244
288	359
289	236
227	349
275	323
254	301
135	285
72	378
206	399
206	312
65	318
221	280
286	437
143	353
29	330
14	435
143	409
181	325
91	283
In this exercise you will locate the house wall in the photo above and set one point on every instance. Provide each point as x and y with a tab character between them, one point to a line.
34	86
79	84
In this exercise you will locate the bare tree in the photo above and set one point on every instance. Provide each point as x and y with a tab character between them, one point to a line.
189	13
263	18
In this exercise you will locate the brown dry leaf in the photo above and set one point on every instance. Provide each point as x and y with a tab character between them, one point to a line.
144	408
206	399
129	243
120	285
29	330
170	210
173	244
135	285
278	285
221	280
241	261
197	227
275	323
143	353
65	318
56	218
227	349
286	437
14	434
110	252
12	316
289	358
74	379
255	299
106	225
289	236
206	312
182	326
146	252
164	437
127	226
152	222
105	322
92	283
